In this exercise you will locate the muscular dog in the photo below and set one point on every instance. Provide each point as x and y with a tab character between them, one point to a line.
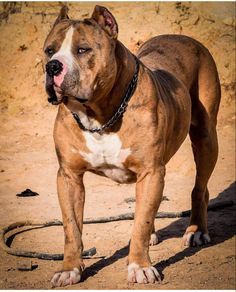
124	117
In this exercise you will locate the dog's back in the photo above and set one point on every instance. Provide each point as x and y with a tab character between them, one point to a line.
180	55
190	62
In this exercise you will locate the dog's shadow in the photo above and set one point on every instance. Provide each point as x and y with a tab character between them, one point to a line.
221	224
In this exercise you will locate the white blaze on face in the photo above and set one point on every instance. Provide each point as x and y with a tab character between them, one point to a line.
64	55
105	150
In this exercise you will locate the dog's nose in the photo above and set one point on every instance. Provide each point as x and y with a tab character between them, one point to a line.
54	68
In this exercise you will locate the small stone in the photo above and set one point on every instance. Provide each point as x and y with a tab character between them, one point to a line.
27	193
22	48
26	265
37	62
10	269
139	42
129	200
164	198
229	21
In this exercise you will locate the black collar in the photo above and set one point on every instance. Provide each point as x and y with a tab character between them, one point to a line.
121	109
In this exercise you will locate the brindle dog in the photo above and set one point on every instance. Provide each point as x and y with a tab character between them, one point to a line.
124	117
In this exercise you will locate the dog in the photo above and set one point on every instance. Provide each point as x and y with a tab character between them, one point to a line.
124	116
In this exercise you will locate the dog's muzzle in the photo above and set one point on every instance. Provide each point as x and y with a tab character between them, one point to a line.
53	68
55	73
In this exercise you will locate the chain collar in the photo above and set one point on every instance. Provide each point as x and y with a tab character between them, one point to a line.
122	108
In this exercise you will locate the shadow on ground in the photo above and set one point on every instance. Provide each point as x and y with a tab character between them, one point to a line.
220	230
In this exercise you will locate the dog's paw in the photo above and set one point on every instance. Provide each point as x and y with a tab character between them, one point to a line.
153	239
65	278
196	238
136	274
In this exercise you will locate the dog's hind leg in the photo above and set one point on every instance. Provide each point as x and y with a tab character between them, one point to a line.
205	96
205	154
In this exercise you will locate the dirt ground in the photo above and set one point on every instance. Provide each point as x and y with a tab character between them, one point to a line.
27	157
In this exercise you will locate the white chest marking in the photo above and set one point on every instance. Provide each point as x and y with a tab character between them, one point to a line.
105	150
64	54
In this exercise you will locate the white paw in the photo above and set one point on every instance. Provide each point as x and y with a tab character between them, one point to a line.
153	239
65	278
196	238
136	274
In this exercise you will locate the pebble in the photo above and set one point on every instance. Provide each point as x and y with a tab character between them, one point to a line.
229	21
26	265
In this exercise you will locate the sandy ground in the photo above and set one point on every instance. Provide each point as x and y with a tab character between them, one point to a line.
27	157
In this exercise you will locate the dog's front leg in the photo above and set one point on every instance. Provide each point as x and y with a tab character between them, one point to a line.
149	190
71	198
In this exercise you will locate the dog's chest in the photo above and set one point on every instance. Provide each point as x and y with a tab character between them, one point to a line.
106	156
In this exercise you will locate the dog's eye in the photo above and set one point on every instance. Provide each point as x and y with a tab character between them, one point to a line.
83	50
49	51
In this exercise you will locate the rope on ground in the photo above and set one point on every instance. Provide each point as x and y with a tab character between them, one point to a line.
88	254
44	256
130	216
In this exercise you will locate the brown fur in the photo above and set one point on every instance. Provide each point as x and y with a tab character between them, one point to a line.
178	92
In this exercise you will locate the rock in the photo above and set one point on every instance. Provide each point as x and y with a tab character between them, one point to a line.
129	200
27	193
164	198
22	48
26	265
229	21
37	61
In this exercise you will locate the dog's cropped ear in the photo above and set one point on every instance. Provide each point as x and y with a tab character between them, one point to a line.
106	20
62	15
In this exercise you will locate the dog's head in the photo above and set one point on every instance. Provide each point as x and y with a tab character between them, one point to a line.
80	56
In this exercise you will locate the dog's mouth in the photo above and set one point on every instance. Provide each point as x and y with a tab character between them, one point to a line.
56	95
81	100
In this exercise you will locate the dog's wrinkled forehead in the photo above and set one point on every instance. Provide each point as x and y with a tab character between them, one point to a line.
87	32
72	33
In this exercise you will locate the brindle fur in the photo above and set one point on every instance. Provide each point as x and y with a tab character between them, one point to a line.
178	92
